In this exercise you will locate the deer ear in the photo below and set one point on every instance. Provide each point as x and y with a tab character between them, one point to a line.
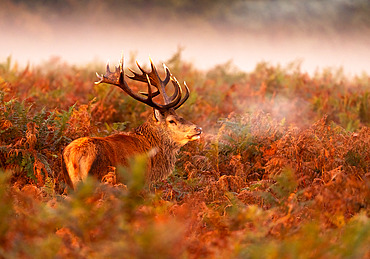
158	115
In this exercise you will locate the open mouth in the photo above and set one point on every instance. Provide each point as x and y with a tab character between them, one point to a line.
195	137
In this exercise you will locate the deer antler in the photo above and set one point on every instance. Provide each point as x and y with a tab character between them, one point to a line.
152	79
186	94
160	84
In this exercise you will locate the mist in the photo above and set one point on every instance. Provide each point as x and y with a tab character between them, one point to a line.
334	35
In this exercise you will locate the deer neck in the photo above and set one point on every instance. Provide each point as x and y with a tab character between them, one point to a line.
156	137
163	162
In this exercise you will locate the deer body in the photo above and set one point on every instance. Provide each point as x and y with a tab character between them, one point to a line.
163	134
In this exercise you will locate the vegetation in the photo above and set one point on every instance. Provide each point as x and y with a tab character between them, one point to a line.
282	170
330	16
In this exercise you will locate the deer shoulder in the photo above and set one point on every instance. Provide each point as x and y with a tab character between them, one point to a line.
163	134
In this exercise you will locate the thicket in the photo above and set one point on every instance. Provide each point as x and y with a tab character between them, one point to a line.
282	170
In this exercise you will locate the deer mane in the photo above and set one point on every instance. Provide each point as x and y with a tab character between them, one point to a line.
165	149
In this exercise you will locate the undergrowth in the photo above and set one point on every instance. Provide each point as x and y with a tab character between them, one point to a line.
282	170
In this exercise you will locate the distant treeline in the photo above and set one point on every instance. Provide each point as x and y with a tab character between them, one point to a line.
313	15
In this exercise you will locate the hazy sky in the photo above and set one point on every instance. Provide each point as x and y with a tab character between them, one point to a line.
332	33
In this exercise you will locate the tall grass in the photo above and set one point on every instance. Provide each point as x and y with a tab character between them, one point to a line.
281	171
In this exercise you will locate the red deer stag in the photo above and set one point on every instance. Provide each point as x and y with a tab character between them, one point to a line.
164	132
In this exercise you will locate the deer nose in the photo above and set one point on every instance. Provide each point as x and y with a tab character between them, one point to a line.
198	130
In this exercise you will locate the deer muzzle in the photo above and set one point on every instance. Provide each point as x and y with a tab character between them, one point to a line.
198	132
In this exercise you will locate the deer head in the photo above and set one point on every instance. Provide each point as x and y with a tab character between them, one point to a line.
180	130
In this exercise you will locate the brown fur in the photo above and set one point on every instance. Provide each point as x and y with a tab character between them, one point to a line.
94	155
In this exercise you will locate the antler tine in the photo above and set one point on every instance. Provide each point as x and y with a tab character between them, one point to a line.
137	76
176	97
121	62
154	79
161	84
153	75
187	94
178	92
109	77
168	74
98	76
143	78
149	88
141	69
157	106
149	100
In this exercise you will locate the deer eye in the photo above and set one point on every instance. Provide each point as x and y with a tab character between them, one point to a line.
172	122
